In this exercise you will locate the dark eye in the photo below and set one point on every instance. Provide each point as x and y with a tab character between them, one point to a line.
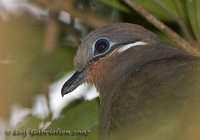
102	45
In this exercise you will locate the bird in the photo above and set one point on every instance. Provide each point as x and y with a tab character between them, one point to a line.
148	89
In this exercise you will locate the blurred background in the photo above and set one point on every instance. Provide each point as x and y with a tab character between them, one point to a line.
38	40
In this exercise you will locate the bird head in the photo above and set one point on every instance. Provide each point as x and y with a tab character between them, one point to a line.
101	45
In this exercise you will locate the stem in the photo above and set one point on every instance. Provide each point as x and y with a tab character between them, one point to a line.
161	26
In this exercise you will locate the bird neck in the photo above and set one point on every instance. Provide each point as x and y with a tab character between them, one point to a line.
112	72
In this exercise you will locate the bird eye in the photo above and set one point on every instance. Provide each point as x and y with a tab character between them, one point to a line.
101	45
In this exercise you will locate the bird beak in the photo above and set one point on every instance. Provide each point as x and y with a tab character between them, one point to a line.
77	79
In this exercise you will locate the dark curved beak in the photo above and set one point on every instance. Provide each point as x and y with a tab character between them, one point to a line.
77	79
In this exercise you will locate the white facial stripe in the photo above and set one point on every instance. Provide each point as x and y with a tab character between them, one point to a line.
128	46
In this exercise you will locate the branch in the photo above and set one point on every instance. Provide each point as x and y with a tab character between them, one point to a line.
88	17
162	27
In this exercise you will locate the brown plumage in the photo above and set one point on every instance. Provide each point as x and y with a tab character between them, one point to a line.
144	84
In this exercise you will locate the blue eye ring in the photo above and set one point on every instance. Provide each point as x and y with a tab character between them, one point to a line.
101	46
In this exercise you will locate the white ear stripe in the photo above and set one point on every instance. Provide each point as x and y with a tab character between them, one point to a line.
128	46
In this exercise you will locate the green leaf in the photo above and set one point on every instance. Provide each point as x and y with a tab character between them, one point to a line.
80	120
157	10
116	4
194	16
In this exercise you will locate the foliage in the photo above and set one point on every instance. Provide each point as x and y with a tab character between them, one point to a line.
41	51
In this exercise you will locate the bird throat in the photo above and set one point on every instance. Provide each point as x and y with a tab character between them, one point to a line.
96	71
